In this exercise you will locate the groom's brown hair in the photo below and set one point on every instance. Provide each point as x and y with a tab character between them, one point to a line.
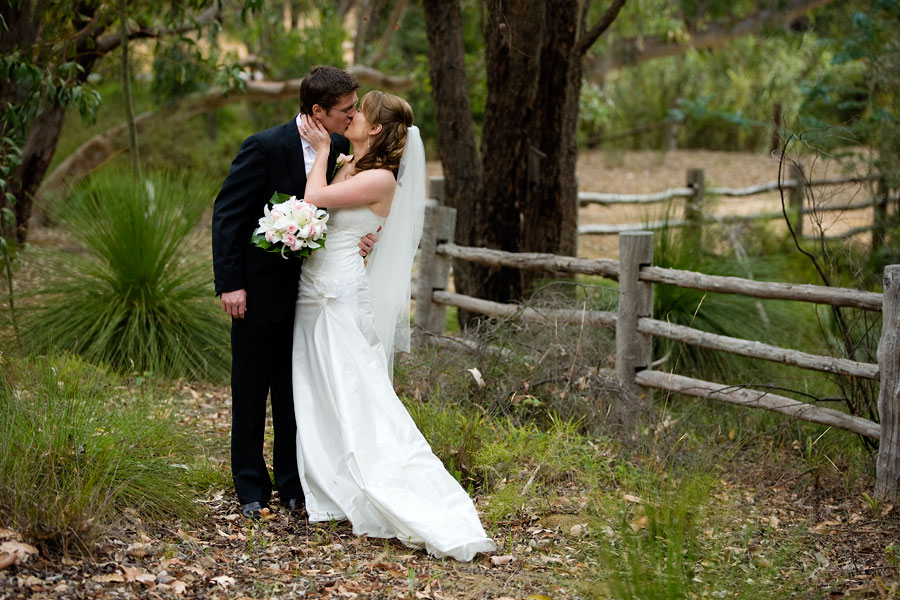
324	86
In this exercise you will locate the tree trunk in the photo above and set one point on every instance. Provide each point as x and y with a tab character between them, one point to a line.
514	37
456	135
125	75
40	145
551	211
528	199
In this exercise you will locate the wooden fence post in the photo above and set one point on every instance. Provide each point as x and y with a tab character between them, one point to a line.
633	349
798	194
879	219
434	270
693	210
436	188
887	466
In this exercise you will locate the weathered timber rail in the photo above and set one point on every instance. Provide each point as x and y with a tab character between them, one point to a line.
634	325
696	193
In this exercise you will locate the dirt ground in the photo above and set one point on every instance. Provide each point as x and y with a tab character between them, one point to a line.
224	557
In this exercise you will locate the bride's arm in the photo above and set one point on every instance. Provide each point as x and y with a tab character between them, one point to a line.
319	139
374	186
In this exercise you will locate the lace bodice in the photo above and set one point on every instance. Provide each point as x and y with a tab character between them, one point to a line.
331	269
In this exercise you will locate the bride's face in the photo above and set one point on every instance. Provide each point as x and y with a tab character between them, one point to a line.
359	129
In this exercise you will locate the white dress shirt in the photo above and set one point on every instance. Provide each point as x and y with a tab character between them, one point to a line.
309	153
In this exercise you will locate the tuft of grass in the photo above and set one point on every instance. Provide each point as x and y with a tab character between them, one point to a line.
683	536
81	447
137	294
455	434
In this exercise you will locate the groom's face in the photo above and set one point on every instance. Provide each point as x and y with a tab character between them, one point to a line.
338	117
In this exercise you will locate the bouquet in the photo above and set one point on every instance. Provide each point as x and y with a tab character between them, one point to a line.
292	227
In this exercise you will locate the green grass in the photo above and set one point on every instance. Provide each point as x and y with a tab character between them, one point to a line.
665	508
137	293
81	446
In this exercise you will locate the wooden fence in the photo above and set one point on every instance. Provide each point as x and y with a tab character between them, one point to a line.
634	325
696	194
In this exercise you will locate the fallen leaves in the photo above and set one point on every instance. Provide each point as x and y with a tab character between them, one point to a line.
12	552
476	375
639	523
109	578
223	580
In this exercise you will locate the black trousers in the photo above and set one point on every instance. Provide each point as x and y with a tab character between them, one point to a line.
261	368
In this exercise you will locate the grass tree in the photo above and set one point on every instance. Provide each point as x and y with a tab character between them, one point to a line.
137	295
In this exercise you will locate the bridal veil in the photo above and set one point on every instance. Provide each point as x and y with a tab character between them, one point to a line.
390	265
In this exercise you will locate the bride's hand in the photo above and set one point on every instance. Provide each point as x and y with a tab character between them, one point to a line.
315	133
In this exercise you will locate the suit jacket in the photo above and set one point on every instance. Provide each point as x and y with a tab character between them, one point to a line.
267	162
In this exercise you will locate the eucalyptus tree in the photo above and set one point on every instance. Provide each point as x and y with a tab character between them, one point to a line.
517	190
48	48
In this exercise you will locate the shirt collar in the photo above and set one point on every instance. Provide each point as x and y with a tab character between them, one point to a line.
304	142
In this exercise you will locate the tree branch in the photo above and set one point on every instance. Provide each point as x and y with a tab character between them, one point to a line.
388	34
635	50
104	146
588	39
111	41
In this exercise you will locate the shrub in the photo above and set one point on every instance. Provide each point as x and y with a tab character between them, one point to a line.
138	294
79	448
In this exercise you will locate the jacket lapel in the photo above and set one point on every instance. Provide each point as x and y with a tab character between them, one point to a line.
293	155
332	161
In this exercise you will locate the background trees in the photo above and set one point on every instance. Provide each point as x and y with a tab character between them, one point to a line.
506	89
49	50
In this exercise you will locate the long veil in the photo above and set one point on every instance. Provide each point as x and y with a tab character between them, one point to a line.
389	267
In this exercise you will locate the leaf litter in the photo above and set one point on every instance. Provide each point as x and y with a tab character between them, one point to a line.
541	556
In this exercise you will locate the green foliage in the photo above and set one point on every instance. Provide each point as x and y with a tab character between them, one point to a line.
721	100
656	518
177	72
869	50
80	448
455	434
288	53
724	314
657	558
138	294
682	538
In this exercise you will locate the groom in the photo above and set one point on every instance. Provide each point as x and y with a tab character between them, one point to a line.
259	289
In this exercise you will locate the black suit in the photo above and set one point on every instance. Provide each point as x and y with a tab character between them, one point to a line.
267	162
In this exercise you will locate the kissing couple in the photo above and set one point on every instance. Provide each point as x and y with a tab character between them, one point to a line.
319	340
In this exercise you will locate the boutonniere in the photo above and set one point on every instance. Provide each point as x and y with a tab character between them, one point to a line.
342	159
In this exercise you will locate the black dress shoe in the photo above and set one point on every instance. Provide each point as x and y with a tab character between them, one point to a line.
294	505
252	510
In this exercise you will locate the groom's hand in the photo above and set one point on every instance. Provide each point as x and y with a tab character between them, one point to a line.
235	303
367	242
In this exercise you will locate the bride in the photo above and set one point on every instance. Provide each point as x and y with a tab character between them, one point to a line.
360	454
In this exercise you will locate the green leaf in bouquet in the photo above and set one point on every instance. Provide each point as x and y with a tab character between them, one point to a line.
278	198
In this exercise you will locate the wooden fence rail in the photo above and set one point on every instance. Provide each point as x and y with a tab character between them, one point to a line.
696	191
635	327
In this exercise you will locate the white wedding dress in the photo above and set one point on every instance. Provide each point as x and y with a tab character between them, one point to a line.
360	454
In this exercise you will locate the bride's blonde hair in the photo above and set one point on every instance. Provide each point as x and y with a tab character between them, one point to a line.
395	116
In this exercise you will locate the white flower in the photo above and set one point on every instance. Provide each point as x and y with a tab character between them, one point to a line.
293	224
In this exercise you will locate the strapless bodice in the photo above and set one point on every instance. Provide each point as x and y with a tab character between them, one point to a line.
331	269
